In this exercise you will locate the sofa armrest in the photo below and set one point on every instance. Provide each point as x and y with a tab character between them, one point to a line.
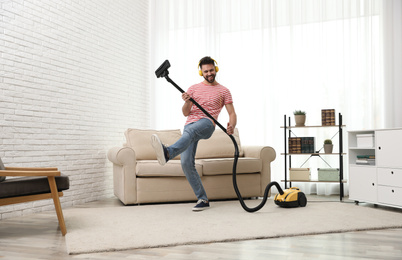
263	152
124	177
122	155
267	154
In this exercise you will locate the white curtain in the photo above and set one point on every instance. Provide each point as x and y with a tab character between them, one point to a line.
277	57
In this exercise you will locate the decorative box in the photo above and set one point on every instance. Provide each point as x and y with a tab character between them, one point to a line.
299	174
328	174
365	140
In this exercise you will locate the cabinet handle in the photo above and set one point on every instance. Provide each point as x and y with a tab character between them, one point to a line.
372	184
392	191
392	172
379	147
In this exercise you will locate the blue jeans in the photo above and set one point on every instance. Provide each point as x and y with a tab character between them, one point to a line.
187	146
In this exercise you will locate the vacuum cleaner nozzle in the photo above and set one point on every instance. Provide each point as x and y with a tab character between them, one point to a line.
162	71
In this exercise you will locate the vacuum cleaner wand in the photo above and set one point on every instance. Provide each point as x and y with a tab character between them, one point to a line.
162	71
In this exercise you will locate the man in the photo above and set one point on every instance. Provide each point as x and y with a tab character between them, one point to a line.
212	97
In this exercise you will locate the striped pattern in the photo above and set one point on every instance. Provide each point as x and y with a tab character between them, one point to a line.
211	98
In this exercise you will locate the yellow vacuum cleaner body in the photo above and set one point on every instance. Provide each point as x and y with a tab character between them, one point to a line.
291	198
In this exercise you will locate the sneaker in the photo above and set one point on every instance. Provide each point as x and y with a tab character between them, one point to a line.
201	205
160	149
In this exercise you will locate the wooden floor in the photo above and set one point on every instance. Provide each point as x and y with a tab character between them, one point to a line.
38	237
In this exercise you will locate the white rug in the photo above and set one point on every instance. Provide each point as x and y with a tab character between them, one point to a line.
129	227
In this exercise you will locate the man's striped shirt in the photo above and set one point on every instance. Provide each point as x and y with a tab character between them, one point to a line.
211	98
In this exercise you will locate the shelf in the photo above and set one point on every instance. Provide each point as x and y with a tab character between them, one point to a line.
361	148
315	181
313	154
361	165
312	126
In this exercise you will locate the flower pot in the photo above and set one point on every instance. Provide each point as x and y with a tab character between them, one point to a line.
300	120
328	148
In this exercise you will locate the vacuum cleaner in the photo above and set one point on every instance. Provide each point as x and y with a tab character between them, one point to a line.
289	198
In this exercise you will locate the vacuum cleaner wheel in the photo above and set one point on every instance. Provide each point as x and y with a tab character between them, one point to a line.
302	199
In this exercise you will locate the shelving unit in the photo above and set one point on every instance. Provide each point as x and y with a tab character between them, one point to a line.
288	156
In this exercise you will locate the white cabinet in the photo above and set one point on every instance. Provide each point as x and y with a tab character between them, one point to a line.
381	181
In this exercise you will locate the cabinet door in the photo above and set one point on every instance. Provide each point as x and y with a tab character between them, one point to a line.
363	183
390	195
388	148
389	177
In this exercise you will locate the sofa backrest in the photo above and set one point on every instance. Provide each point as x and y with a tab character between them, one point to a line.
219	145
140	141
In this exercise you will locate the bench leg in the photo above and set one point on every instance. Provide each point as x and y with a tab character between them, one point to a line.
57	205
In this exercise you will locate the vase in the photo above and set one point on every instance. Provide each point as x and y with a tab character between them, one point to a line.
300	120
328	148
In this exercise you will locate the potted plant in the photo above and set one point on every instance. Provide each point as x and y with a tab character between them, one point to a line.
300	117
328	146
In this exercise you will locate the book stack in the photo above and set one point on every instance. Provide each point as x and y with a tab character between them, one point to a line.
328	116
307	145
294	144
301	144
365	159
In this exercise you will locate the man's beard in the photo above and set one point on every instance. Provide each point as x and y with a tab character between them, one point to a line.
210	79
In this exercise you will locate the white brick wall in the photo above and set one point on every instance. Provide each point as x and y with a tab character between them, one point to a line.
73	76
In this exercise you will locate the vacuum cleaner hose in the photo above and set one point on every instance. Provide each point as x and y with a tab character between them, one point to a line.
162	71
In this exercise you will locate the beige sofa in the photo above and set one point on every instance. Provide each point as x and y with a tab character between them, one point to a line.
138	177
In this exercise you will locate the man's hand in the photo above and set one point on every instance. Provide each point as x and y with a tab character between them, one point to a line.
186	97
229	129
232	118
187	103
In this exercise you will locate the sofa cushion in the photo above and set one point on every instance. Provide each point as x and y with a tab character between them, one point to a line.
151	168
219	145
222	166
207	167
140	141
